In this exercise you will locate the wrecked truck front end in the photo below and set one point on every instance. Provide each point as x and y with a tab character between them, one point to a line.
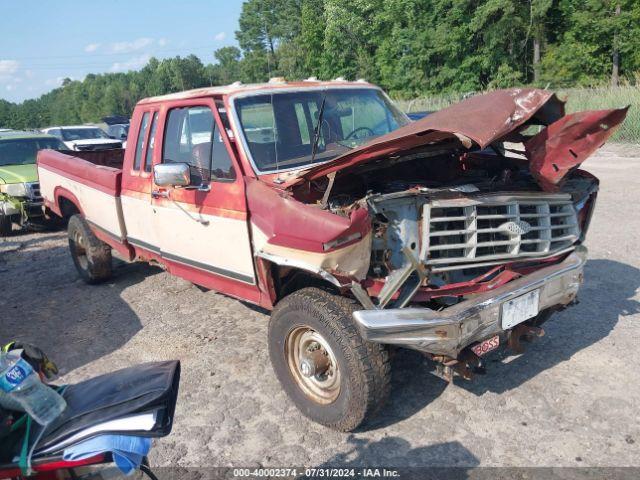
455	233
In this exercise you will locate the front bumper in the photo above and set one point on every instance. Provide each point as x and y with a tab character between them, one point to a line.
449	331
31	208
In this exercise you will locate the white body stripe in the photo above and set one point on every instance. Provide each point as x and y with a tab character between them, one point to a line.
98	207
213	243
139	218
219	242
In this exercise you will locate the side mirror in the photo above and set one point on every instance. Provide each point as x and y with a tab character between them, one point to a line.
171	175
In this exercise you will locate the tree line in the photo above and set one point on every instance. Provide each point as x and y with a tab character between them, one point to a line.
409	47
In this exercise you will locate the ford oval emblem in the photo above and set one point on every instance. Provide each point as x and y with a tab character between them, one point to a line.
515	228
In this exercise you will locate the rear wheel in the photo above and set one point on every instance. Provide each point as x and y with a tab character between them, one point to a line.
332	375
91	256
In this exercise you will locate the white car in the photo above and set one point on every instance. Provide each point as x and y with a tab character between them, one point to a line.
84	137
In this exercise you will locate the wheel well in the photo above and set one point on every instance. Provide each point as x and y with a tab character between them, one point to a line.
288	280
67	207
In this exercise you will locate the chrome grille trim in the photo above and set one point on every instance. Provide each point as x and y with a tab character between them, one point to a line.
497	227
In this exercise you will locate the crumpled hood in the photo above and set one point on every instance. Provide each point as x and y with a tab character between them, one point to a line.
480	121
18	173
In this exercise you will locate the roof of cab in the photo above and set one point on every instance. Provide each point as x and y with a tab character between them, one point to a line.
18	134
238	87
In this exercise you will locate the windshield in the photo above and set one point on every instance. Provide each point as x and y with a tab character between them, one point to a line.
118	131
23	151
279	128
71	134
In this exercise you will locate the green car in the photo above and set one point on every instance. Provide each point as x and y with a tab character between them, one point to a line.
20	200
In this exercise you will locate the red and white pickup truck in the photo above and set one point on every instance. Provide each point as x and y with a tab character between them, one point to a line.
360	230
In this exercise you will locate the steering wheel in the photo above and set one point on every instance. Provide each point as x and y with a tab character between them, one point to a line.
366	129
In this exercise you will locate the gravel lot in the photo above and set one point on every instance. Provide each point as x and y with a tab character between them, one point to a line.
571	400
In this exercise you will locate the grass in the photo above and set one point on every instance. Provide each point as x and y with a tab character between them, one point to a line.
577	99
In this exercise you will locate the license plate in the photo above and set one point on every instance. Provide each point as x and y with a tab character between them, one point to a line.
486	346
519	309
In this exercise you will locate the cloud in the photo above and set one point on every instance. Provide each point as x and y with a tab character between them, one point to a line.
132	64
10	87
92	47
162	42
128	47
54	82
8	68
220	36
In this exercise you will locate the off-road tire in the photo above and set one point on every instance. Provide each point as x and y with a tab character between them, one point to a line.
365	371
94	265
5	225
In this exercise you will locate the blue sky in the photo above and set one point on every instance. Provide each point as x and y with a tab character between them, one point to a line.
43	42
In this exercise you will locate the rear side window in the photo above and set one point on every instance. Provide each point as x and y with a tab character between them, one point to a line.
148	158
188	139
140	141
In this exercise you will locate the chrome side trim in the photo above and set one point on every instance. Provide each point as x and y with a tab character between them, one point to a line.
108	233
193	263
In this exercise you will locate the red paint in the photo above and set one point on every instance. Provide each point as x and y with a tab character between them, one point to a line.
60	192
565	144
483	119
492	279
289	223
105	179
228	286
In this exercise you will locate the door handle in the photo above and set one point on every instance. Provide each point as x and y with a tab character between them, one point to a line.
160	193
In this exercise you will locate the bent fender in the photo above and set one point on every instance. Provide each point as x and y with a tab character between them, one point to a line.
566	143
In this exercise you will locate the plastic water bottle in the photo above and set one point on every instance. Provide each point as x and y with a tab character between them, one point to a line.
21	384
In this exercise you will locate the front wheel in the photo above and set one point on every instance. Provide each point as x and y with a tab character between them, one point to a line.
331	374
5	225
91	256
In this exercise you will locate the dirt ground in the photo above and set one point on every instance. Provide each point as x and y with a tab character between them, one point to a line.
571	400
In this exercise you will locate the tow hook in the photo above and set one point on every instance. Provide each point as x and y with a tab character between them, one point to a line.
523	332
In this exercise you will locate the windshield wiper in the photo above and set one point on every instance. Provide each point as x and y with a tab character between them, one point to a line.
316	133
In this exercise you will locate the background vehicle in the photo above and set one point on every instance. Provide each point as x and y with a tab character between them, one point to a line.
20	200
83	137
358	228
117	127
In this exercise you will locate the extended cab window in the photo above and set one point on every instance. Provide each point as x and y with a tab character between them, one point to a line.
148	158
189	138
140	142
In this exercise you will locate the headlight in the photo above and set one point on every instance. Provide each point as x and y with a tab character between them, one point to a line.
15	189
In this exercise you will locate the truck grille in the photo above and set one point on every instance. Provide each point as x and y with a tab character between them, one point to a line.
497	227
33	189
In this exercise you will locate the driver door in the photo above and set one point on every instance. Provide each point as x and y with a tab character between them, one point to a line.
202	228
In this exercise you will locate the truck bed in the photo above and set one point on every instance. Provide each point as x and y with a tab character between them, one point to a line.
89	182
